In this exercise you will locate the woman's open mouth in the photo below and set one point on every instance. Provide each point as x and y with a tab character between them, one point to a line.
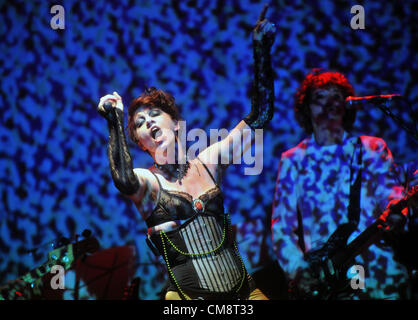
155	132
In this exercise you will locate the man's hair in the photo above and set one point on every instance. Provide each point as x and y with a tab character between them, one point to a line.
315	80
152	98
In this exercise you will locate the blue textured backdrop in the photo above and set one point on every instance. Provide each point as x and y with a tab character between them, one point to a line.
54	172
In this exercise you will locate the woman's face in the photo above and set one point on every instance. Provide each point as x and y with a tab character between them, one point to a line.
327	107
154	129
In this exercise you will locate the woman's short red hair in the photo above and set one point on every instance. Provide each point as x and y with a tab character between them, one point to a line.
153	98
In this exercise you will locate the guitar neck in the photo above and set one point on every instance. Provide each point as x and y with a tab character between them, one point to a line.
369	236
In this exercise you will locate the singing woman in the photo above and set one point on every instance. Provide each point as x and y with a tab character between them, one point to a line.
179	198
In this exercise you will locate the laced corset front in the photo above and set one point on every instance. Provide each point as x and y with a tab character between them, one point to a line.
200	253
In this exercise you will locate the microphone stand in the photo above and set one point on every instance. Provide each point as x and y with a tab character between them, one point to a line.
382	105
381	102
404	244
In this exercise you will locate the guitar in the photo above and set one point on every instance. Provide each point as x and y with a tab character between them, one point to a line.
31	285
335	257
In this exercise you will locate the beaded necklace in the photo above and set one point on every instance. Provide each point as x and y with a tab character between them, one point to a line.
178	171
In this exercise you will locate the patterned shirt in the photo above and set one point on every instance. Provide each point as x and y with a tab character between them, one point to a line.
314	182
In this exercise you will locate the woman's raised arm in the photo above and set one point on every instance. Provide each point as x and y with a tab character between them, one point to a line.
262	102
124	177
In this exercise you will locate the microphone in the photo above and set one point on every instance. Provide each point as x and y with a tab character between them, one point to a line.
108	106
378	99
